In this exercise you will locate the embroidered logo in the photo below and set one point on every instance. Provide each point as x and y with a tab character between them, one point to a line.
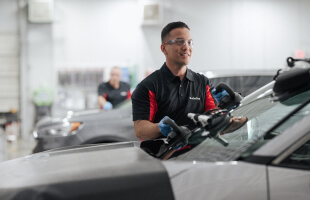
123	93
194	98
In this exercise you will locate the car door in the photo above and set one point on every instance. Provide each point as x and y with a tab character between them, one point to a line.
289	176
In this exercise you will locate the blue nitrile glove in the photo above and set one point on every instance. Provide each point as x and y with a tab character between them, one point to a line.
218	96
107	106
179	146
164	128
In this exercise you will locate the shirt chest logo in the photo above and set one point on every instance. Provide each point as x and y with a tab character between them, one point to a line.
123	93
194	98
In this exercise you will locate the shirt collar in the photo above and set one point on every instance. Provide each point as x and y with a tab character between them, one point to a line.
189	74
170	77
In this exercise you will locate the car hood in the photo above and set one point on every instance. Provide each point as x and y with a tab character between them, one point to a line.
110	115
95	171
88	116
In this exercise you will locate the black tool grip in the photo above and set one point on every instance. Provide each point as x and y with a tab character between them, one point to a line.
171	123
228	89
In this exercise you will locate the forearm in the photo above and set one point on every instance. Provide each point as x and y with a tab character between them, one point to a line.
146	130
101	100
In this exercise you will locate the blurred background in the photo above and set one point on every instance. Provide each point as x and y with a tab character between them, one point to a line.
55	53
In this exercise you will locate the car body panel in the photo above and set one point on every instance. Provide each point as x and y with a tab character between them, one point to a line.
286	183
220	180
83	173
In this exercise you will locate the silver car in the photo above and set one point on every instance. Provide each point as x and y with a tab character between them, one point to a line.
266	156
97	126
85	127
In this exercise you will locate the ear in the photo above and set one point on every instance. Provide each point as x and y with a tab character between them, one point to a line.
163	49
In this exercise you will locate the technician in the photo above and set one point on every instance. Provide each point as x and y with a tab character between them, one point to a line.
172	91
114	91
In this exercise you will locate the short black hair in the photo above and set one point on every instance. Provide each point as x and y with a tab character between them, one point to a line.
169	27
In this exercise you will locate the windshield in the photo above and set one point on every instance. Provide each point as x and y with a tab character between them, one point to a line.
262	115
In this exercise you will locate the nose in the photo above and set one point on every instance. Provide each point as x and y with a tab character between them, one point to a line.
186	45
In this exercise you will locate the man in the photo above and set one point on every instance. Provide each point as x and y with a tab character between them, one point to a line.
113	92
173	90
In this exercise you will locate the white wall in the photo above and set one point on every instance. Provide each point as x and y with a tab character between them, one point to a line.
8	27
96	32
9	57
228	34
231	34
240	34
8	16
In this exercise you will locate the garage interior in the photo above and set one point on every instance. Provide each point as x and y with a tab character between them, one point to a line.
58	51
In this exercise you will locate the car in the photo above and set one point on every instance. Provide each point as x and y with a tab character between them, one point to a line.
85	127
97	126
244	82
259	150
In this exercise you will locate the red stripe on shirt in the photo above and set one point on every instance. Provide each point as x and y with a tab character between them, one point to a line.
153	106
209	103
105	95
128	94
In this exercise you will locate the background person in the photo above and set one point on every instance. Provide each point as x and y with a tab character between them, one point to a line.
114	91
173	90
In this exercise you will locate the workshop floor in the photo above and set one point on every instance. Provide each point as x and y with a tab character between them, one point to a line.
16	148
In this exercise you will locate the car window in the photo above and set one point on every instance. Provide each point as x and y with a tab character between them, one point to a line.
299	158
262	115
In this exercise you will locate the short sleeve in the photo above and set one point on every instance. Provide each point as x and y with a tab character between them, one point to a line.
101	89
128	91
209	101
140	103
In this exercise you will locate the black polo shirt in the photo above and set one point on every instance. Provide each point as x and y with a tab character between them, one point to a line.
115	96
163	94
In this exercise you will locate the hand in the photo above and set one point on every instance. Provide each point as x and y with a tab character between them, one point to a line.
219	95
107	106
165	129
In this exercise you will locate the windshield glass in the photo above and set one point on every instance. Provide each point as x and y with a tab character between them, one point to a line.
262	115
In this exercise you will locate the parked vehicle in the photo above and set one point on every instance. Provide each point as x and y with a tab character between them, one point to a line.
97	126
85	127
245	82
264	157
